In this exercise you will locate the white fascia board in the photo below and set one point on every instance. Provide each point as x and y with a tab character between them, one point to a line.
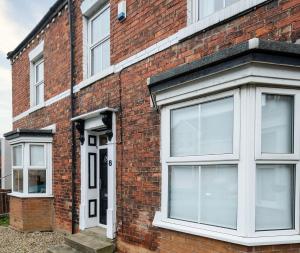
246	241
36	52
31	140
258	73
93	114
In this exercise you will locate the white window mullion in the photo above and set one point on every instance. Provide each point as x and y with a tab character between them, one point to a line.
26	166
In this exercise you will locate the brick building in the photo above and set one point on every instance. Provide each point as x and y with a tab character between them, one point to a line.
172	124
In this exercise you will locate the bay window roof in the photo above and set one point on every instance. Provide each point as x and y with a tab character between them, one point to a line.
253	51
31	133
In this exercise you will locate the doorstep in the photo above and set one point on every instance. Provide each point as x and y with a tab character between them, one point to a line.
91	240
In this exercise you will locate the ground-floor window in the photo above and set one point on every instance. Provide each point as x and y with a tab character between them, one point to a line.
32	168
230	162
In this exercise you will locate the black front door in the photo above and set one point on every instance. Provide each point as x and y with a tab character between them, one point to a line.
103	185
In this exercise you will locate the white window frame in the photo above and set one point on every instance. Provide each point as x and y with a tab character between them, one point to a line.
16	167
219	16
91	45
26	167
36	84
246	111
36	56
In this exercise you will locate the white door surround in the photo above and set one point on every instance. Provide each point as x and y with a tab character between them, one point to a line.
89	206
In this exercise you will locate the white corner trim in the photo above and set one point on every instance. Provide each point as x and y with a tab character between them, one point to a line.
246	241
88	7
253	43
36	52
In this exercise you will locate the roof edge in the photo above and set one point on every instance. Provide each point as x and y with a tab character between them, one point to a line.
52	12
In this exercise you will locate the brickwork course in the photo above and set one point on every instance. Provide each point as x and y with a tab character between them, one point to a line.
138	124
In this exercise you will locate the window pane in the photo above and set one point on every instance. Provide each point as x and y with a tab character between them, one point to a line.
96	60
37	181
230	2
212	201
277	124
183	195
101	27
208	7
37	155
18	180
219	195
217	127
39	93
17	156
105	54
275	197
39	72
203	129
185	131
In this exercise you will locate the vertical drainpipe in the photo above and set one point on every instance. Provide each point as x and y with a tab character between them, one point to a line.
73	143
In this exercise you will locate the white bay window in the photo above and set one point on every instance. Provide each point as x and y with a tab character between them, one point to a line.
230	163
32	170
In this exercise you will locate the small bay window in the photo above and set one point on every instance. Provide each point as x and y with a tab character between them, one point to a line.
31	162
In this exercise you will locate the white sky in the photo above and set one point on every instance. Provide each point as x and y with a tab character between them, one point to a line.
17	19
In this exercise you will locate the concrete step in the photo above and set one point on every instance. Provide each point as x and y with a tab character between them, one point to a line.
91	241
62	249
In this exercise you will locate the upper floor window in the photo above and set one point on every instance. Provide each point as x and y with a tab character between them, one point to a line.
99	41
36	59
38	84
211	12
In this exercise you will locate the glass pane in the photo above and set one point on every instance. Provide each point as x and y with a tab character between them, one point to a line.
39	93
106	54
277	124
96	60
217	127
37	181
203	129
183	195
219	195
208	7
275	187
101	26
17	156
18	180
230	2
37	155
39	72
185	131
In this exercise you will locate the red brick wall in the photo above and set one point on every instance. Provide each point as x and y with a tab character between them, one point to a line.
32	214
138	134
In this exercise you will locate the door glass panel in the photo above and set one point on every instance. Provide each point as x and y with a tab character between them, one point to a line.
277	124
103	186
275	191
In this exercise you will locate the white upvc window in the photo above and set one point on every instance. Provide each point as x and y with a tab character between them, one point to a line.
99	41
32	169
209	12
38	83
230	163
